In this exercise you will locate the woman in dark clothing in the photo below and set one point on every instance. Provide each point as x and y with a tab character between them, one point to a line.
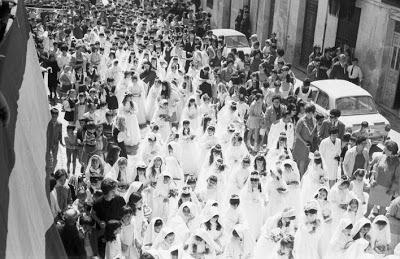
52	80
119	133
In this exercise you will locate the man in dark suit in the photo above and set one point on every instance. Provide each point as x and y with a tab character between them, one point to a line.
70	236
54	136
332	121
339	69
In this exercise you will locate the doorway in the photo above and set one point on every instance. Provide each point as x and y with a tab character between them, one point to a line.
392	75
347	29
310	19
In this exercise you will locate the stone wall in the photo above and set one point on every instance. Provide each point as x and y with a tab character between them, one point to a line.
372	45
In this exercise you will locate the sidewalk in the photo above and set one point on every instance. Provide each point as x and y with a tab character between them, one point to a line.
392	117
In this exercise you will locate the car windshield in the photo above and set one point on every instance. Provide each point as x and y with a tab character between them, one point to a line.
356	105
238	41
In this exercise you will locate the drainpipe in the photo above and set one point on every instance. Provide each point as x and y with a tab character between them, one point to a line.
325	25
287	25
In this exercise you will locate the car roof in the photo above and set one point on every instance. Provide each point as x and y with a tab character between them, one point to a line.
336	88
226	32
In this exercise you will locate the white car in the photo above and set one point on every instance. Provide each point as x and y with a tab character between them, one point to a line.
355	104
233	39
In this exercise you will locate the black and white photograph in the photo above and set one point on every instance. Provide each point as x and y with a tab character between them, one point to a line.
199	129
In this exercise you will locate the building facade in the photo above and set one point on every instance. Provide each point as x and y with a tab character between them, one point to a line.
371	29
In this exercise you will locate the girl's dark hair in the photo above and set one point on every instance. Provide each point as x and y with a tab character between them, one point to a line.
158	223
354	201
180	201
277	144
146	255
280	52
52	183
133	199
241	55
358	236
166	93
208	225
153	169
211	158
204	122
324	190
381	222
234	202
186	131
107	185
126	210
310	108
111	226
349	226
260	158
112	155
392	146
60	173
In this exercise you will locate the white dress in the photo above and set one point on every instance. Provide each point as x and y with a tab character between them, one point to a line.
127	238
139	97
357	190
266	246
306	244
132	126
357	250
237	180
277	200
242	249
252	206
192	115
113	248
292	179
234	154
337	243
336	198
190	155
161	200
163	123
150	235
273	155
275	131
312	182
151	101
122	89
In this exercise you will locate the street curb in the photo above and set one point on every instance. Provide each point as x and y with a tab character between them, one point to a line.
387	110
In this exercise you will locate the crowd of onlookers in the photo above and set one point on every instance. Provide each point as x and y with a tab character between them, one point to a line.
177	148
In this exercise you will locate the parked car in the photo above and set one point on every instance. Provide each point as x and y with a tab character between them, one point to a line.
233	39
355	104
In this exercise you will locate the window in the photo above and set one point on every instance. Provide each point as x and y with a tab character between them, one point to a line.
314	93
394	57
323	100
356	105
238	41
210	3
